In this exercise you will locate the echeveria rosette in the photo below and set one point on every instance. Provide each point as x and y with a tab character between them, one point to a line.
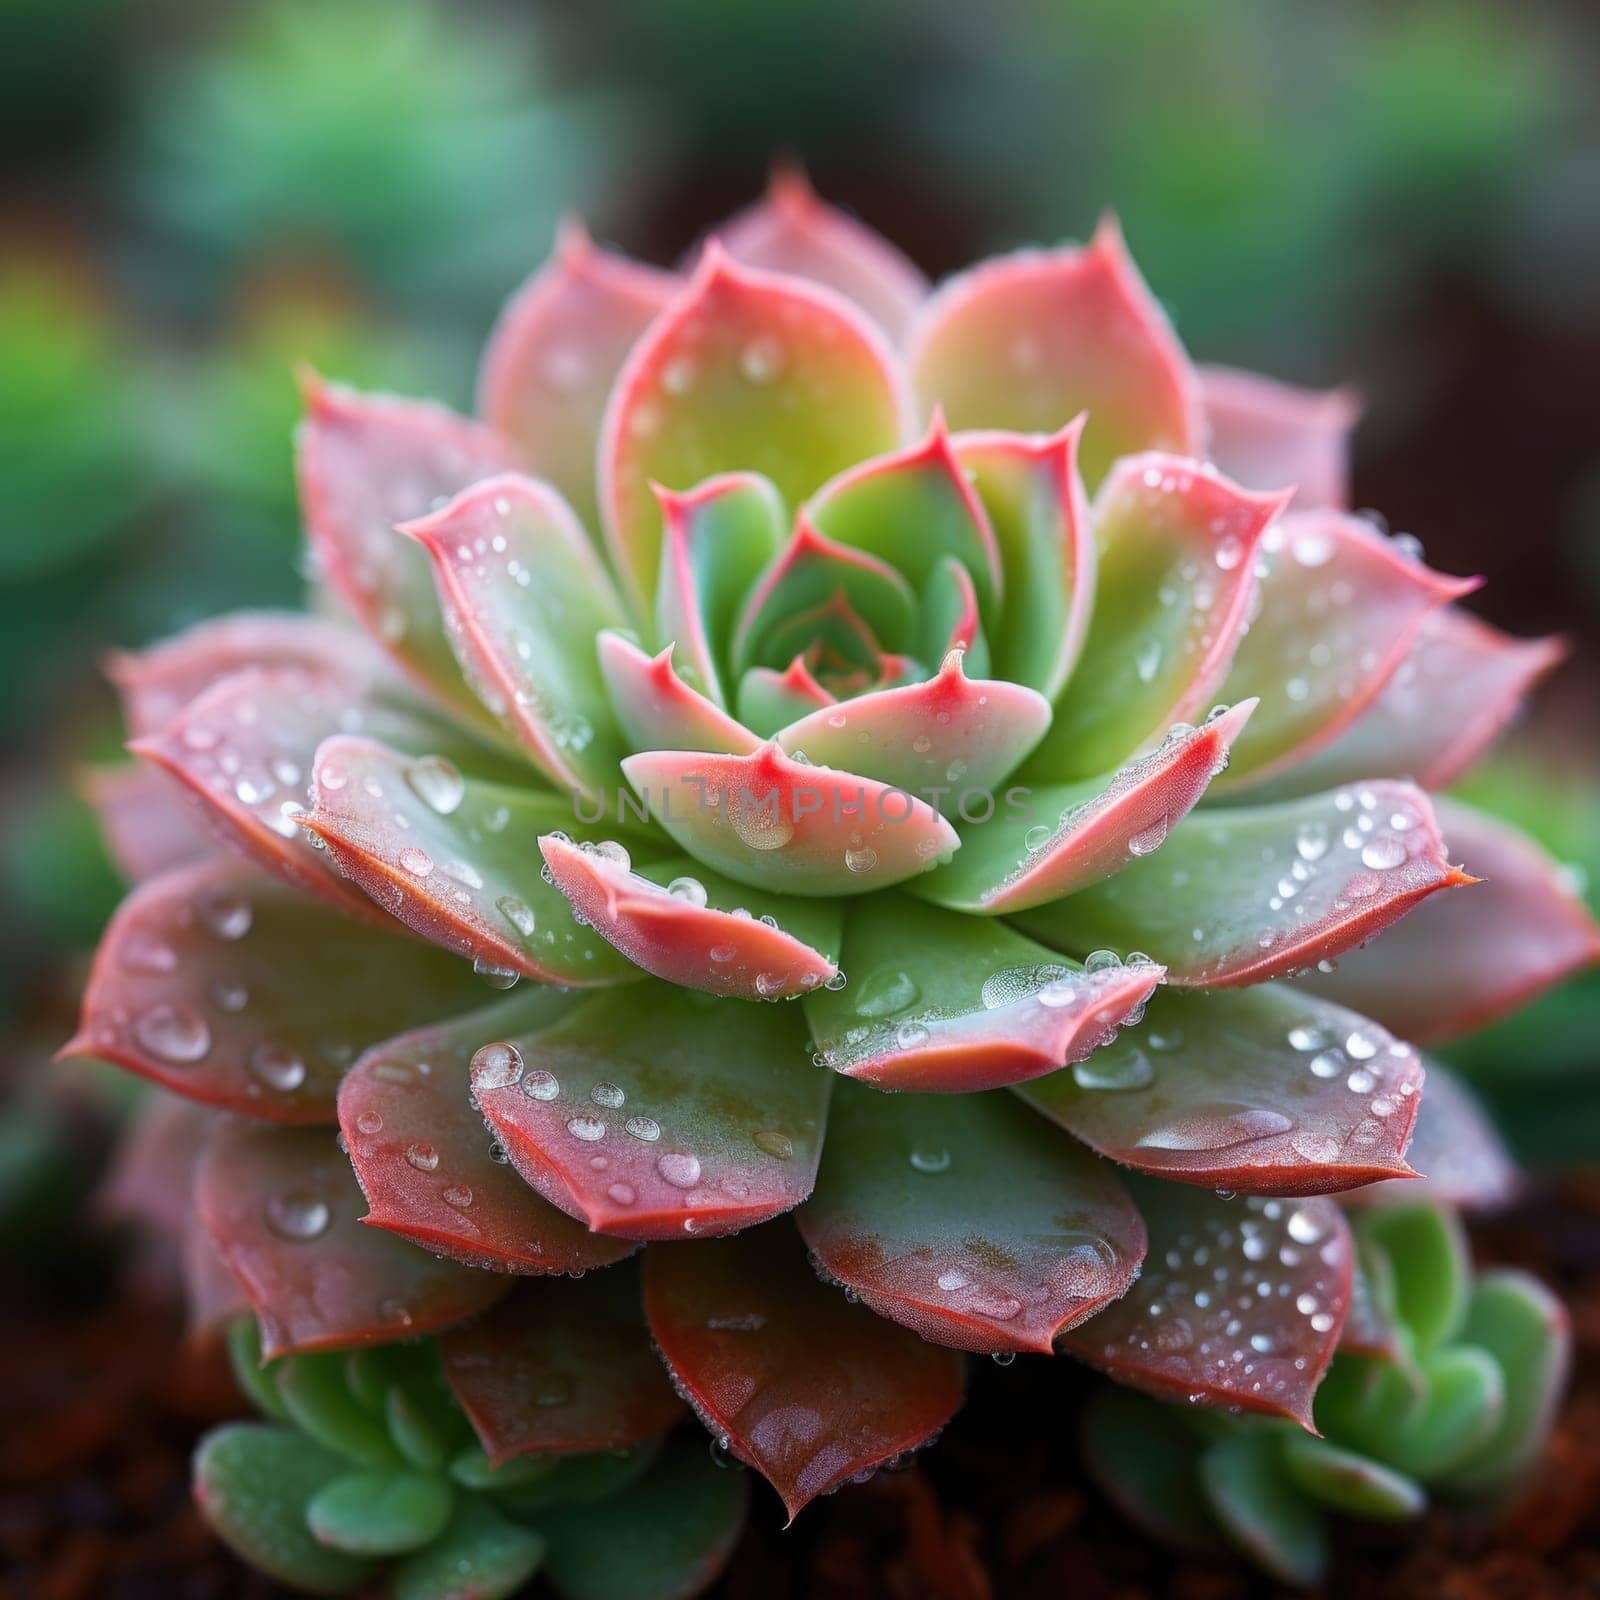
809	688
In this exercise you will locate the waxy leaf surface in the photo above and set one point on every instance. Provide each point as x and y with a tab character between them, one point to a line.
1272	435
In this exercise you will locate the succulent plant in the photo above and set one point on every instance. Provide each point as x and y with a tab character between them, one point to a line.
804	774
1445	1383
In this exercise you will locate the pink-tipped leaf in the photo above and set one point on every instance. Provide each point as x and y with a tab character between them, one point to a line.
656	708
681	922
1027	341
1268	434
283	1209
938	1002
673	1116
744	371
777	823
1238	896
223	985
1266	1090
1053	840
1240	1304
1463	962
804	1386
557	347
427	1166
970	1221
769	700
1176	546
145	828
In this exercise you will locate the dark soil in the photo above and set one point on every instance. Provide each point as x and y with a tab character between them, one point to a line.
103	1403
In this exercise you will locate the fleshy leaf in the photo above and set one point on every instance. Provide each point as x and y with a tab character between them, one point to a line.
941	1002
1063	837
559	343
225	986
146	830
671	1115
1466	1400
1349	1482
943	739
456	860
283	1208
1030	488
1199	1322
911	509
748	371
777	823
1027	341
1240	896
1263	1090
379	1512
1427	1247
479	1556
1369	1325
1175	574
715	540
970	1221
813	580
1340	605
707	933
560	1368
682	1519
950	618
531	1485
1528	1332
1522	930
804	1386
656	707
1262	1511
770	700
367	463
425	1162
242	751
523	594
156	684
1460	685
791	230
252	1482
1456	1148
1271	435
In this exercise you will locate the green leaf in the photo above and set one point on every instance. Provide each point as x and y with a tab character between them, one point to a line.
317	1397
470	1467
479	1556
1466	1400
259	1383
580	1480
667	1537
381	1513
1145	1458
1527	1331
252	1482
1427	1247
1354	1484
1264	1515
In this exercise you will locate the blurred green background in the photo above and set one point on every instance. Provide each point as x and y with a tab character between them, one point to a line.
196	196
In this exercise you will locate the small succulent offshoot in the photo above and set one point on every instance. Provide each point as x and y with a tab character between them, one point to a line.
868	801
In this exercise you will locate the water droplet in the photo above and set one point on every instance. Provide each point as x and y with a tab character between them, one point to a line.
298	1216
1125	1067
496	1066
143	953
496	977
930	1158
723	953
1382	853
1305	1226
541	1085
679	1168
1101	961
174	1033
911	1036
417	862
761	360
277	1066
585	1127
422	1156
770	1142
457	1195
1327	1064
861	858
608	1095
1311	841
227	915
1218	1129
437	783
1147	660
690	890
622	1193
369	1122
646	1128
1148	839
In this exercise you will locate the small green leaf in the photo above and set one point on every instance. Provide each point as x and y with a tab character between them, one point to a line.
1432	1268
1346	1481
252	1482
581	1480
259	1383
380	1513
317	1397
1144	1456
681	1520
1466	1400
471	1469
1527	1330
1263	1514
479	1556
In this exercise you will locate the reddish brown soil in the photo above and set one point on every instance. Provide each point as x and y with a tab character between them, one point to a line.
102	1404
